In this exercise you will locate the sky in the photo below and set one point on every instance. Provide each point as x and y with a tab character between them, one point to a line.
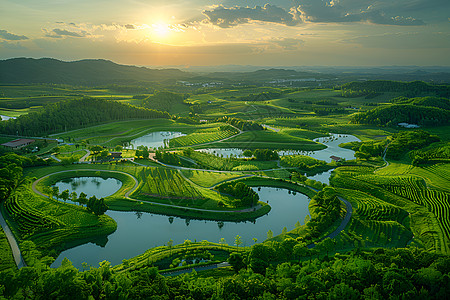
207	33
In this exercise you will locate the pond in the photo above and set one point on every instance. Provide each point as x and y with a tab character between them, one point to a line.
98	186
154	139
4	118
332	142
137	232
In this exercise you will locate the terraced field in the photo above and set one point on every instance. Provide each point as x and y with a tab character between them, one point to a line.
166	183
203	136
429	208
49	223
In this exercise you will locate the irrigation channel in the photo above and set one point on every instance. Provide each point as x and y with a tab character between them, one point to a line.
136	232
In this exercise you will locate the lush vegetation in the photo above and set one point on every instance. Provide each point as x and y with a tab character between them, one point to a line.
70	114
245	196
370	202
378	274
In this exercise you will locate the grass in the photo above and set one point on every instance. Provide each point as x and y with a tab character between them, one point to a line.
428	216
203	136
50	224
268	140
213	162
209	179
157	254
6	256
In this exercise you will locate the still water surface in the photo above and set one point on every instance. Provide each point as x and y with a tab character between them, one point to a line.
154	139
137	232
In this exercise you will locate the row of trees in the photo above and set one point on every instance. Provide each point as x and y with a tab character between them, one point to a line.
240	123
93	204
381	274
410	89
245	196
76	113
262	154
391	115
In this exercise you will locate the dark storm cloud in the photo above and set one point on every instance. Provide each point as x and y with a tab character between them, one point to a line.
228	17
11	36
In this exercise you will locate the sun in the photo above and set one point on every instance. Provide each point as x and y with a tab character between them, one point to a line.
162	30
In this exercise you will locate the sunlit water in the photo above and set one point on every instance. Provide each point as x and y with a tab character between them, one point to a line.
332	142
154	140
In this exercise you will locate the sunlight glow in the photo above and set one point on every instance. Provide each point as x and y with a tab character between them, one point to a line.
162	30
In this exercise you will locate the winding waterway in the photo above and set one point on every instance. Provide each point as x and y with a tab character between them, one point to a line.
137	232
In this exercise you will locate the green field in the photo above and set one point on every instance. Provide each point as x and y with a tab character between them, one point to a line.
6	256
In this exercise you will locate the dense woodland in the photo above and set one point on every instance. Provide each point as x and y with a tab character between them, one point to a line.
380	274
71	114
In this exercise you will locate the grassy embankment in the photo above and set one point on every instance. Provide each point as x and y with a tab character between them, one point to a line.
163	255
50	224
117	133
156	192
395	191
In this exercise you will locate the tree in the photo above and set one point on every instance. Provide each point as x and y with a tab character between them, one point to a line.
269	234
73	196
255	240
118	148
247	153
236	261
104	154
55	192
326	245
64	195
222	242
284	231
82	199
170	244
300	250
237	241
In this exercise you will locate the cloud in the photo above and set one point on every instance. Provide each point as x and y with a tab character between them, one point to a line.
330	11
11	36
233	16
60	33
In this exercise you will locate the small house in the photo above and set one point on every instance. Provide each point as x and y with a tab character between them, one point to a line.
336	158
17	144
115	155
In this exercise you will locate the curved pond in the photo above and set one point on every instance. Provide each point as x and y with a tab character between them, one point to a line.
137	232
332	142
154	139
98	186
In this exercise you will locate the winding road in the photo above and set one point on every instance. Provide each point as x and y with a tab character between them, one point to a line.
18	258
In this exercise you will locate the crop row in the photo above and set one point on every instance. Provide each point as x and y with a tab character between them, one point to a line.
202	137
414	189
27	219
372	208
442	169
167	183
380	233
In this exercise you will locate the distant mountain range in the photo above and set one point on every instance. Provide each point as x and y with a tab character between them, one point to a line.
84	72
95	72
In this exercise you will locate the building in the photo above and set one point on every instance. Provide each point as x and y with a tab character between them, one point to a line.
17	144
115	155
335	158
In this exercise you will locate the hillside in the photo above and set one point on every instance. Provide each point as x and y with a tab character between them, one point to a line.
84	72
